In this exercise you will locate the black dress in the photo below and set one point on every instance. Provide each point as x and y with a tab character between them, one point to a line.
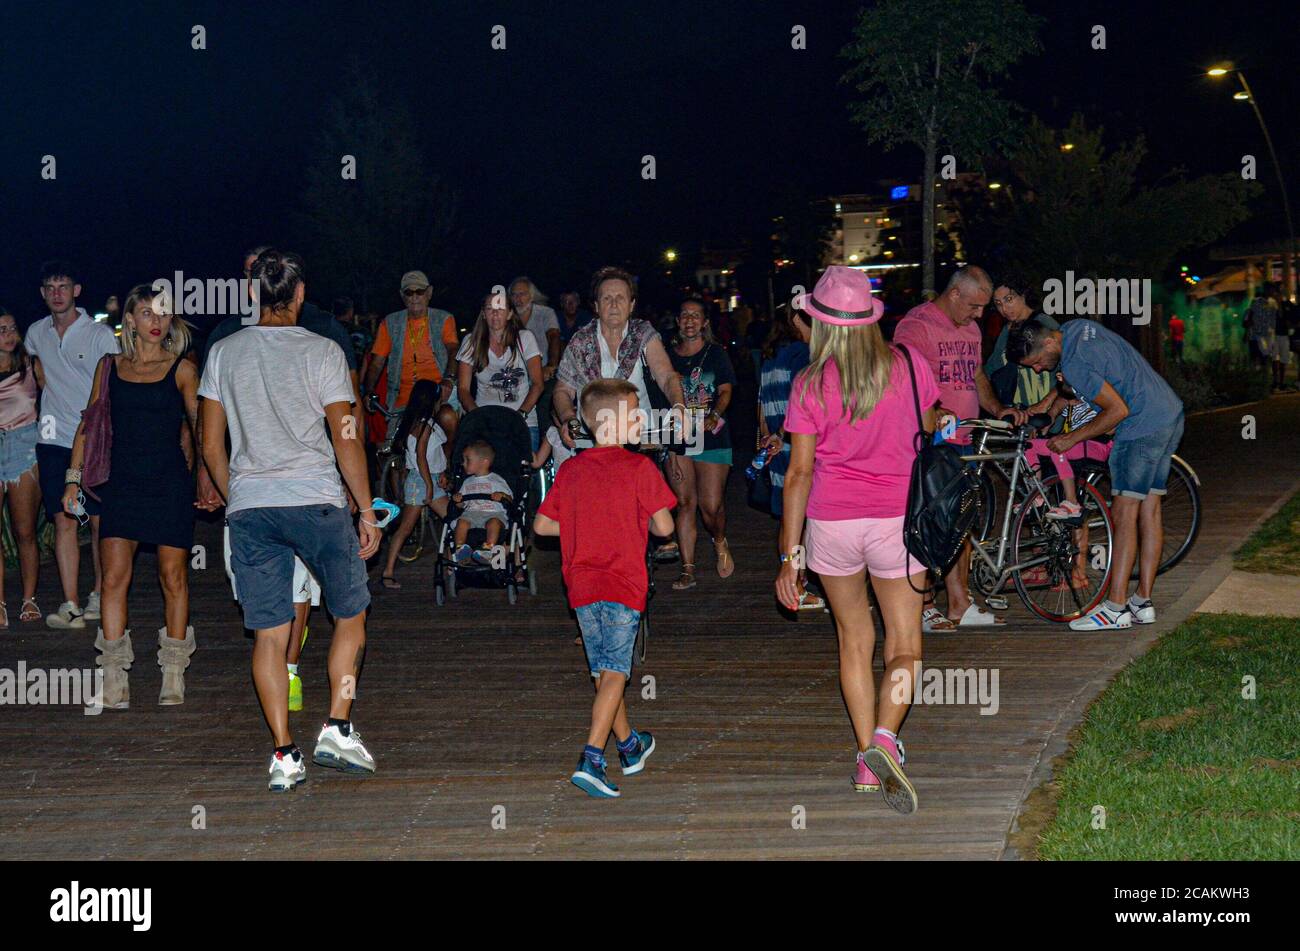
149	495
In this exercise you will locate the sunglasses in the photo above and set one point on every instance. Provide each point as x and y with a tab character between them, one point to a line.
414	292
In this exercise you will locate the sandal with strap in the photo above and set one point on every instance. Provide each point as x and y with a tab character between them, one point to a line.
34	614
4	616
686	581
726	564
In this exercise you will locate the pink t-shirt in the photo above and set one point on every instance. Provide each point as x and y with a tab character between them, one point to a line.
861	470
953	354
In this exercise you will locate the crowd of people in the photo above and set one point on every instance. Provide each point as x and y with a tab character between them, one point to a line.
268	421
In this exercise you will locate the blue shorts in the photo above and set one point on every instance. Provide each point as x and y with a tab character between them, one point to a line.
52	463
609	636
18	452
263	542
1140	467
413	490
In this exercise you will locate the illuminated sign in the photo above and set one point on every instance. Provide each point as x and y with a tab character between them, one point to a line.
898	192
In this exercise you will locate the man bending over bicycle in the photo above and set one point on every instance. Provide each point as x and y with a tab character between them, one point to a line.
1147	417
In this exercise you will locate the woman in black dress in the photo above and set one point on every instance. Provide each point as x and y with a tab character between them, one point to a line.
149	495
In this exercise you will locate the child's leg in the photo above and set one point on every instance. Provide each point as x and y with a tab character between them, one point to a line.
462	531
493	532
410	515
607	707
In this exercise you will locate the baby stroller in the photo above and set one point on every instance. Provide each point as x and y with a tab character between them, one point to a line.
506	432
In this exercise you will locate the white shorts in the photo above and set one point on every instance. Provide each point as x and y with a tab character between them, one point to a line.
1282	349
305	586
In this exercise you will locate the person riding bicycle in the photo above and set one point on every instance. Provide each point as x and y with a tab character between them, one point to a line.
1147	417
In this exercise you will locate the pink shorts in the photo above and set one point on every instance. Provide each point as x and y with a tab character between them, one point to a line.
846	547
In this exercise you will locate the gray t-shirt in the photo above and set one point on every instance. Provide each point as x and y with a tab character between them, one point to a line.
1092	356
274	384
541	321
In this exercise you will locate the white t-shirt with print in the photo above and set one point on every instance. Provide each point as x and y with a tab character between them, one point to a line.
69	366
485	485
504	380
274	384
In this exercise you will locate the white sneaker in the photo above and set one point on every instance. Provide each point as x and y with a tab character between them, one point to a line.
337	751
1103	618
67	617
287	771
92	607
1144	612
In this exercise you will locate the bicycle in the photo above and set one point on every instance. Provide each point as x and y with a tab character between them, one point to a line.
1180	509
1040	556
392	469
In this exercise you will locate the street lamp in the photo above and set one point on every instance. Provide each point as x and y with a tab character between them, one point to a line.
1223	70
670	256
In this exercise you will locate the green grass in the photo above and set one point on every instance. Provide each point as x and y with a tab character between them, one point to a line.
1183	765
1275	548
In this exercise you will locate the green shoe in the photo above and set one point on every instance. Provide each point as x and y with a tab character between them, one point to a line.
295	693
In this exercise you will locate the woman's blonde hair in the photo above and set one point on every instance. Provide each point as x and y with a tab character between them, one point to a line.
179	332
862	358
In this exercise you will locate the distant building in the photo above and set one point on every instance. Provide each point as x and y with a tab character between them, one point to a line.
880	230
716	276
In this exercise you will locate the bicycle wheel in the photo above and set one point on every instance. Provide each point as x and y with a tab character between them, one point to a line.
1072	560
986	506
1180	510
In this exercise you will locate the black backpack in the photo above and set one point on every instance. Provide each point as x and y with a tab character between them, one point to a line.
942	497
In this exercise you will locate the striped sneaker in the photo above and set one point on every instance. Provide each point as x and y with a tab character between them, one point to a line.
1103	618
1143	611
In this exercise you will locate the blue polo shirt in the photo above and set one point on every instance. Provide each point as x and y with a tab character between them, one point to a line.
1092	355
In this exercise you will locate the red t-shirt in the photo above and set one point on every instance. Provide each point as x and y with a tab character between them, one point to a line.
603	499
1177	329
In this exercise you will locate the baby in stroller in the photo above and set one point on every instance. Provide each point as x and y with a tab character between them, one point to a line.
484	540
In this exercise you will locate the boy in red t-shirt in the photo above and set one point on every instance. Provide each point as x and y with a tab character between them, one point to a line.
600	506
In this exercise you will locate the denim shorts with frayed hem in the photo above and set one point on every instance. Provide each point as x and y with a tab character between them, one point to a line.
18	452
608	636
263	542
1140	467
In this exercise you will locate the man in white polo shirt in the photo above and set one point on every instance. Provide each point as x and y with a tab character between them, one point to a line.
68	345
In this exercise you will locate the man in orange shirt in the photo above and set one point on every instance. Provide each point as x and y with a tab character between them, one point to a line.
418	343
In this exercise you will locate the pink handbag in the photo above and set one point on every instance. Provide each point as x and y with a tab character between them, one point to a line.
97	419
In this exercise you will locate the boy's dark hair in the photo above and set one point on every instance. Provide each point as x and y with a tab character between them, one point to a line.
1025	340
59	267
604	394
483	449
278	274
611	274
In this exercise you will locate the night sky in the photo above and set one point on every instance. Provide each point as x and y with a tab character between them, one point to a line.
174	158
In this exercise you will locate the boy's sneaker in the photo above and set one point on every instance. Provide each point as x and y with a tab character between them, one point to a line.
67	617
634	762
287	771
884	758
463	555
590	778
92	607
337	751
295	693
482	556
1103	618
1143	611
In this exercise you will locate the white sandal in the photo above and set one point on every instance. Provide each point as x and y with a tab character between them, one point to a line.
934	621
976	616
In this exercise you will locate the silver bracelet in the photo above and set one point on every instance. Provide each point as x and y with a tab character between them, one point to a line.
72	476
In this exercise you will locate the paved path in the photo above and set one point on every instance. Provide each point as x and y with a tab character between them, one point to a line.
477	711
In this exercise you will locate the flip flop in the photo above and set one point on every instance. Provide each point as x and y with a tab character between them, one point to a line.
976	616
34	614
726	564
934	621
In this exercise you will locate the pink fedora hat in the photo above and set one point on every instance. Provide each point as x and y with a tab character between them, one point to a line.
842	296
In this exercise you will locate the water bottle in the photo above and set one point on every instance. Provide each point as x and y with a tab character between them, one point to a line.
755	467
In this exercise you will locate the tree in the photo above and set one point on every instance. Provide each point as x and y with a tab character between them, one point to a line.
923	67
361	234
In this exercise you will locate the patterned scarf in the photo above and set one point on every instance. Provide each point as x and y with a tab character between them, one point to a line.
581	361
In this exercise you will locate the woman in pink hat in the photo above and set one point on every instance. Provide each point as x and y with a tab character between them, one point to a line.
852	423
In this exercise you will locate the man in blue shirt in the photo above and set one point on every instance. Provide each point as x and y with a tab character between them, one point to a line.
1147	418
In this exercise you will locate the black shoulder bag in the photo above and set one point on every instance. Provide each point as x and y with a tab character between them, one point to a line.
942	497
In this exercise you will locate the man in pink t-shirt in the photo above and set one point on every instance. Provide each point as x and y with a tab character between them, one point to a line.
945	333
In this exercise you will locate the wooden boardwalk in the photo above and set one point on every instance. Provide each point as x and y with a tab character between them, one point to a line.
477	711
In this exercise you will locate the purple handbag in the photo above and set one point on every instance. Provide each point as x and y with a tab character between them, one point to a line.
97	420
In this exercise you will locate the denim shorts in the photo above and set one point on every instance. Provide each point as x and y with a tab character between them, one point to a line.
609	636
263	542
414	489
18	451
1140	467
53	463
